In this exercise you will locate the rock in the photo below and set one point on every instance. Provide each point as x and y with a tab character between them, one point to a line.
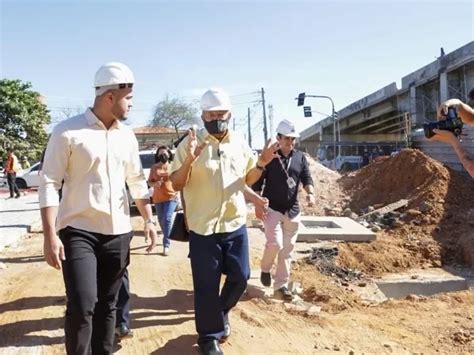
3	266
313	310
413	213
353	216
414	277
362	284
398	223
336	348
412	297
425	206
370	209
347	212
376	229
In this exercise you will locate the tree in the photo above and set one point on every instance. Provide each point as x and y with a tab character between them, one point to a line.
174	113
23	120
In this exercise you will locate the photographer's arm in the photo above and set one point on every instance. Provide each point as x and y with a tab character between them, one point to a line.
466	158
464	111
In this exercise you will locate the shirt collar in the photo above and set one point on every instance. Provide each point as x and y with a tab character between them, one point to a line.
289	155
92	119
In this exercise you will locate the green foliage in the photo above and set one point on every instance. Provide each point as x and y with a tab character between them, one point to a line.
174	113
23	120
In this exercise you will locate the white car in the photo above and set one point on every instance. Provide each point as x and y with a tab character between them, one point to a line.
147	157
28	178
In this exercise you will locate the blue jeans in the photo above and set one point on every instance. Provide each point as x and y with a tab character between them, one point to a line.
165	210
211	256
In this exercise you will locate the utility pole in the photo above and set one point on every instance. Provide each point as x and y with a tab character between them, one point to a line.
270	119
249	130
265	132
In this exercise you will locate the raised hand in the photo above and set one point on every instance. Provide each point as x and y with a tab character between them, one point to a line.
194	148
269	152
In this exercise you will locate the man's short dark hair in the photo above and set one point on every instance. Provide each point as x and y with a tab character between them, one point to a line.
471	94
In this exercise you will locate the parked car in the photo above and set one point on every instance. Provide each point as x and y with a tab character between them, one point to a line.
147	157
28	178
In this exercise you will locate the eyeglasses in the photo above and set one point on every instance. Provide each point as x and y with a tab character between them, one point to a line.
118	86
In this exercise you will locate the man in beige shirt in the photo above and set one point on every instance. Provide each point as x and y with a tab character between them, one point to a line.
213	167
94	154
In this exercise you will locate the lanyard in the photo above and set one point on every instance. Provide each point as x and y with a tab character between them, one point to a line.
283	167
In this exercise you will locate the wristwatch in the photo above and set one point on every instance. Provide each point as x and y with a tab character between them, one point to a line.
152	221
262	168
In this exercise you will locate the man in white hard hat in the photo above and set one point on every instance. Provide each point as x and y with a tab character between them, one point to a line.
280	182
213	167
95	154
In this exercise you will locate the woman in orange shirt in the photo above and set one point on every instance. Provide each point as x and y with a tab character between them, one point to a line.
164	197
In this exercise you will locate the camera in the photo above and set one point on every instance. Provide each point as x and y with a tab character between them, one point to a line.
452	123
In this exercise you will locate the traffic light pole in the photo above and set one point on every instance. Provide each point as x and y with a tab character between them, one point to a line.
334	122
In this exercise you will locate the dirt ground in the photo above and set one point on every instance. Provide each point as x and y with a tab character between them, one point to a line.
32	300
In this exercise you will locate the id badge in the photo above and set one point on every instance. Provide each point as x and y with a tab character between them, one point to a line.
291	183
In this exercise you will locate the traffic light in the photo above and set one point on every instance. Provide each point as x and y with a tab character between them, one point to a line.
301	99
307	111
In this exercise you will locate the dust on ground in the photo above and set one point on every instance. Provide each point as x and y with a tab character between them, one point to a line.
33	301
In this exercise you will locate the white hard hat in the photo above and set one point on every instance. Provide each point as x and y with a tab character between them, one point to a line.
215	100
113	73
287	128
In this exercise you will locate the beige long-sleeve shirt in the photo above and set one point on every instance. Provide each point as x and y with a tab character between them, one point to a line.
213	194
94	163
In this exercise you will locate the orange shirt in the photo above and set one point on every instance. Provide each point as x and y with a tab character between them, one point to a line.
164	191
12	164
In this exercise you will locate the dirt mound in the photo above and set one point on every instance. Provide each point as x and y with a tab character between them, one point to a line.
328	192
438	221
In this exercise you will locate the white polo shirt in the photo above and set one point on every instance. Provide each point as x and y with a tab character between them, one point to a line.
94	162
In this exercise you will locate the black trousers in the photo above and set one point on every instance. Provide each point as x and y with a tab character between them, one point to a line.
123	302
11	180
92	271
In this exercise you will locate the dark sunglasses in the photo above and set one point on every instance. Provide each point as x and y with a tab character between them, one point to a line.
120	86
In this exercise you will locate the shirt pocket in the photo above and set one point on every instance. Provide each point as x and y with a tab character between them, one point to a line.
237	166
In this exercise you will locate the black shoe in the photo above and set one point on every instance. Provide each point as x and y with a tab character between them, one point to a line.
227	330
283	293
123	332
17	196
211	347
266	278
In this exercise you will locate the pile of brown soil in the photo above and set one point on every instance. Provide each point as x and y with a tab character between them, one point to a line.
328	193
439	221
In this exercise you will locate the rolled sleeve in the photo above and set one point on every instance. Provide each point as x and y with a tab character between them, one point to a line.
55	163
179	156
252	160
135	177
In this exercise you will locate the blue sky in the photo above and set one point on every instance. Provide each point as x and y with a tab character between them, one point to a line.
344	49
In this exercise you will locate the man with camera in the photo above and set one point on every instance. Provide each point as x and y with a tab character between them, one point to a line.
466	113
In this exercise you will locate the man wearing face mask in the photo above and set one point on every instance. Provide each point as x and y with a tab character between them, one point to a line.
212	167
94	154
